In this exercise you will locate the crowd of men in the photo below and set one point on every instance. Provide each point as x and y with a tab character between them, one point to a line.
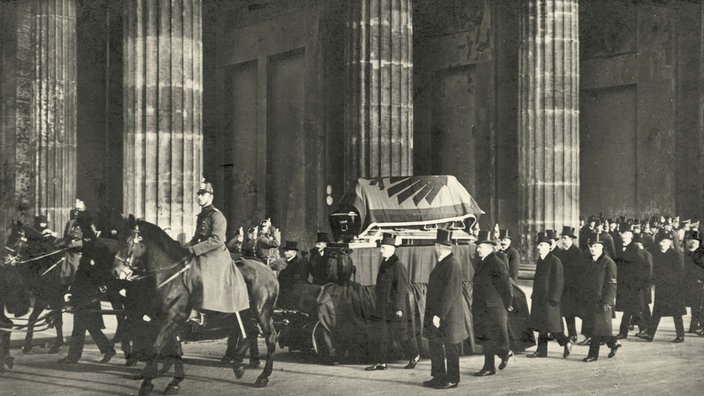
603	267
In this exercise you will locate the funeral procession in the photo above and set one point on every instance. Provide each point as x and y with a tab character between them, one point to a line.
351	197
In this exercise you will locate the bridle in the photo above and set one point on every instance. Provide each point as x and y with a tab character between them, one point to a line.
134	243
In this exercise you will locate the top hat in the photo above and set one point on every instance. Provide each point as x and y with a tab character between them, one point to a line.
552	234
322	237
444	237
623	227
291	245
666	235
693	234
543	237
568	231
504	234
205	187
388	239
40	219
485	237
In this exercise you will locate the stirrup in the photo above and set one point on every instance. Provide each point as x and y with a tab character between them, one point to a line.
198	319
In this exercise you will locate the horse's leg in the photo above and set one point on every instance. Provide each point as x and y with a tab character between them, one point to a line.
39	306
241	346
253	341
5	358
266	322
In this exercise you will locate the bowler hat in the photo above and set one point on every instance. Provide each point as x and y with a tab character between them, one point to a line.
543	237
205	187
444	237
504	234
485	237
322	237
568	231
595	237
388	239
291	245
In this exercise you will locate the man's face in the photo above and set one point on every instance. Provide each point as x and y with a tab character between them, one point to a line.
440	249
484	250
505	243
626	237
543	248
612	226
386	250
320	246
204	198
665	245
289	254
566	241
596	249
692	244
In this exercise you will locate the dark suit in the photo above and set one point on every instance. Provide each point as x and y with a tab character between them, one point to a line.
318	267
668	276
491	296
444	299
599	291
545	315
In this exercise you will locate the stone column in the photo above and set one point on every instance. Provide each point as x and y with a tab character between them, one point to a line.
379	94
163	88
39	109
548	118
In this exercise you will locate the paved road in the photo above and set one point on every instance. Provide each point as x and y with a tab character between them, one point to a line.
657	368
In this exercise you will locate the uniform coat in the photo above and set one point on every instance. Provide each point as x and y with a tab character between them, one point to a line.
632	279
444	299
491	297
694	271
668	277
573	262
548	284
600	284
265	248
223	288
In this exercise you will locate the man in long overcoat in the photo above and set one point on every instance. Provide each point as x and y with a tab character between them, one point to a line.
548	284
443	324
318	260
600	283
632	279
572	259
694	279
295	272
668	276
513	257
391	315
491	299
646	315
216	290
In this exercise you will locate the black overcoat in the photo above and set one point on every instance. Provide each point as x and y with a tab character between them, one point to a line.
668	277
632	279
444	299
600	284
647	290
548	284
513	259
318	266
694	274
491	296
391	293
572	260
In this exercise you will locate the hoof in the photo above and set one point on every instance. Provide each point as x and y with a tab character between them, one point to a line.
146	389
239	371
255	363
262	382
172	389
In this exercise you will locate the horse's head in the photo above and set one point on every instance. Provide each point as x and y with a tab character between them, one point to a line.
16	240
144	248
130	252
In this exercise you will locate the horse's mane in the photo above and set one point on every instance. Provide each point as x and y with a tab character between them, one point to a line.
154	233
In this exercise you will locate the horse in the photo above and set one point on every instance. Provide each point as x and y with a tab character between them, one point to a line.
148	256
30	250
15	299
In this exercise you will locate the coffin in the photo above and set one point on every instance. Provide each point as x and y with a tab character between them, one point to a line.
412	208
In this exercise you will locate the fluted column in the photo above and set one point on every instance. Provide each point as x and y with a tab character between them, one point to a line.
379	95
44	80
163	59
548	120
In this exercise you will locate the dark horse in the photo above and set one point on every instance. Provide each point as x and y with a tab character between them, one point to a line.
155	262
15	299
28	246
